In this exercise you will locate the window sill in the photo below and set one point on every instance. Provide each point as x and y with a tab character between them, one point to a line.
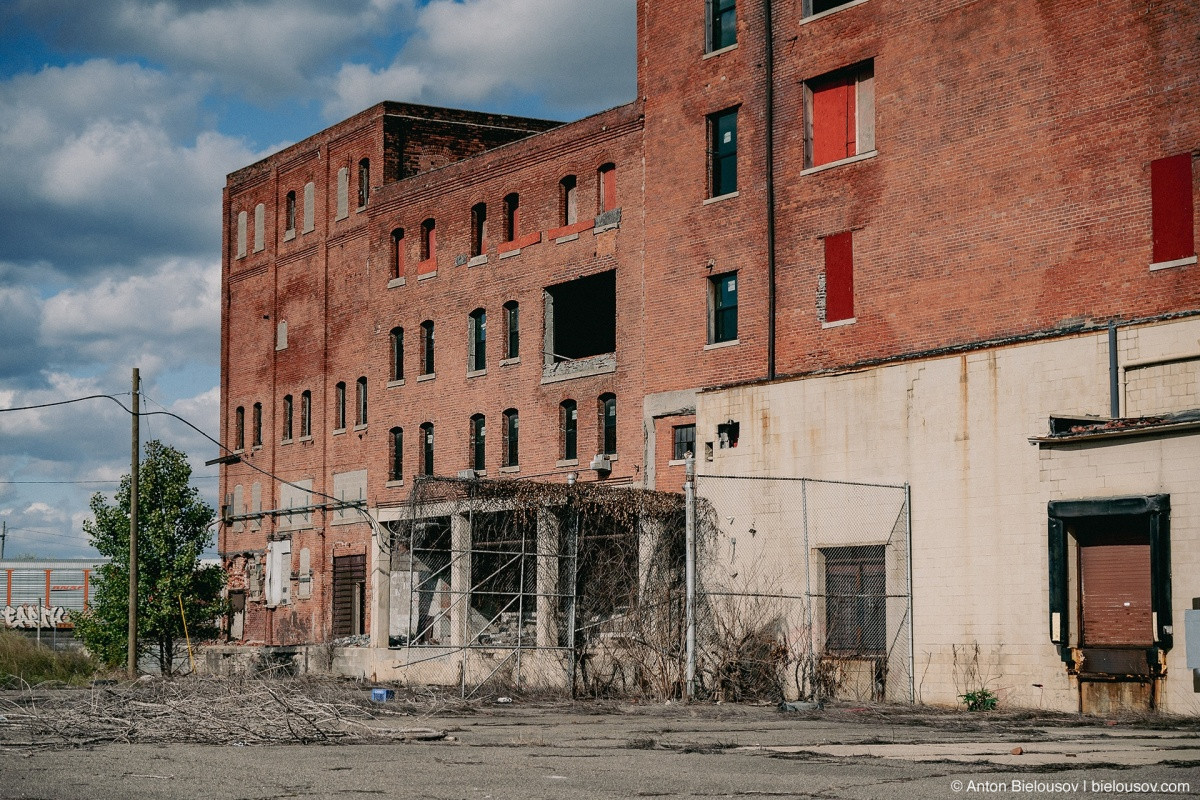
338	431
607	221
580	368
570	237
394	384
362	427
393	484
510	470
308	230
285	441
423	276
428	376
305	439
475	261
840	162
824	14
720	197
837	323
719	345
567	462
570	232
1179	262
288	235
510	253
475	373
280	347
427	268
508	362
395	282
677	462
719	51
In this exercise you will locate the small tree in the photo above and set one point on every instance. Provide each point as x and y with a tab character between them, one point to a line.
173	530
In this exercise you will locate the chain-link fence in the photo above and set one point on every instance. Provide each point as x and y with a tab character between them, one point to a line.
804	589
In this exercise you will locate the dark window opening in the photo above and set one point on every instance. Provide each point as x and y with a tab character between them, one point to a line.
722	24
306	413
512	216
364	182
581	318
512	430
397	341
479	229
685	442
723	308
478	438
477	341
287	418
349	595
512	317
428	239
568	415
727	434
239	428
427	347
567	211
290	213
427	448
722	152
855	600
339	406
396	454
361	397
398	253
608	424
257	422
1171	208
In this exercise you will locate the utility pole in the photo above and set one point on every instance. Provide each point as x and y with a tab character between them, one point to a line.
3	536
131	663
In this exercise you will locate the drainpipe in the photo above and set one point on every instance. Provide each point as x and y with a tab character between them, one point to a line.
770	160
1114	383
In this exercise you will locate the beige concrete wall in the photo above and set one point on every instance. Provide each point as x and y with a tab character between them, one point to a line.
957	428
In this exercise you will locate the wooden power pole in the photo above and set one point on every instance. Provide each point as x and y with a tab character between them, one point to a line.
131	663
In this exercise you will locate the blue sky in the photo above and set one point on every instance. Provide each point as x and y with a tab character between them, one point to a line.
119	120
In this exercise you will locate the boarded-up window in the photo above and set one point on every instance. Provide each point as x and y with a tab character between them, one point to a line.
310	203
1172	208
260	227
297	495
349	595
349	487
343	193
241	234
839	277
840	115
608	187
304	586
279	573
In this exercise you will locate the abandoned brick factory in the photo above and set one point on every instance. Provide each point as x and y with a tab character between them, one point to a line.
889	311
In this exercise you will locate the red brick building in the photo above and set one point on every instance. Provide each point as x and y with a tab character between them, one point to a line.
799	189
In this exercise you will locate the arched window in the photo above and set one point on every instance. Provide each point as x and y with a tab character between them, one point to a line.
289	222
608	187
427	347
477	340
607	408
428	240
478	229
364	182
306	413
257	422
426	448
512	324
397	339
396	454
512	216
361	404
512	430
567	211
239	428
478	436
568	417
339	406
397	254
287	418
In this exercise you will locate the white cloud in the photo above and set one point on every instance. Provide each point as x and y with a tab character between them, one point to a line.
579	54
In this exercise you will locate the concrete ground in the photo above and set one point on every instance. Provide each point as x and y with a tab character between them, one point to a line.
601	750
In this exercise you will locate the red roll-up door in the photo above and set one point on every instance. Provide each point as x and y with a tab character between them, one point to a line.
1114	568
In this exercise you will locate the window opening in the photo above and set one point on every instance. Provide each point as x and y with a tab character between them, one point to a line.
727	434
364	182
581	318
479	229
397	255
239	428
1172	209
427	347
361	396
290	213
428	240
512	430
306	413
512	318
608	424
396	454
257	422
512	214
569	424
722	24
723	308
397	342
427	448
477	337
855	600
567	211
339	406
722	160
685	442
607	187
287	418
478	436
839	277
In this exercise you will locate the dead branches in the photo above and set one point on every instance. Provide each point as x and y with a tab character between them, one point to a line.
239	712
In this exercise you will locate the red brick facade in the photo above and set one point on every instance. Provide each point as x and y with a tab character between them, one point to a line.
994	183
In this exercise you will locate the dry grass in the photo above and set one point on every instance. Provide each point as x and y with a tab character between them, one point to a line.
24	663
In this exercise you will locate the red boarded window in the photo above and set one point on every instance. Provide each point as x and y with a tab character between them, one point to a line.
1172	209
839	277
608	187
840	111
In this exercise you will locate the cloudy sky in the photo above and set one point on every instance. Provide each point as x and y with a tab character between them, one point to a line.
119	120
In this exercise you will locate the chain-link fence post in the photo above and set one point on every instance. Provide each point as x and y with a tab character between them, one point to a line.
689	495
572	579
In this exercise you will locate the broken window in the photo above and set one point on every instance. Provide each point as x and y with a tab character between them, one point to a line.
397	255
568	416
722	24
512	429
287	418
364	182
839	278
839	115
305	413
512	319
289	217
397	342
361	397
607	175
257	422
478	437
727	434
477	340
811	7
607	408
427	448
512	214
428	239
427	347
685	442
1172	212
723	308
478	229
722	152
567	212
581	318
339	406
396	454
239	428
855	600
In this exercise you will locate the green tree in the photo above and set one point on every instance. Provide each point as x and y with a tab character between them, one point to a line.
173	530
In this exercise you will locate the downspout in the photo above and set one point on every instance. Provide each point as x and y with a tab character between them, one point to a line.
768	32
1114	372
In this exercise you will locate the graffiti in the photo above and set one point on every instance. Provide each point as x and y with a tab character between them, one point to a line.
32	616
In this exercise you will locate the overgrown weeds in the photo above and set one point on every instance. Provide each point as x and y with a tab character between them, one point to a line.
23	661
